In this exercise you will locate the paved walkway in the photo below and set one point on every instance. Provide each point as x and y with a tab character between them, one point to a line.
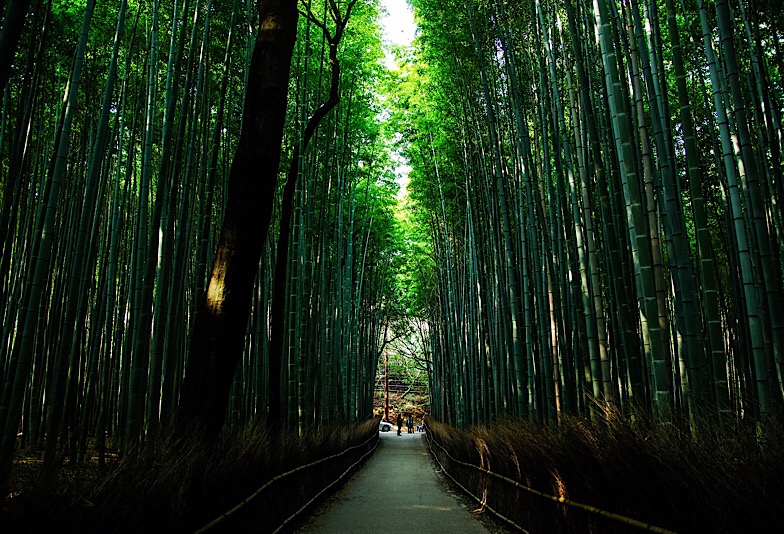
397	489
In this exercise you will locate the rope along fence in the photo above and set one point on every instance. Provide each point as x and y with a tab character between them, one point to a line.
560	500
221	520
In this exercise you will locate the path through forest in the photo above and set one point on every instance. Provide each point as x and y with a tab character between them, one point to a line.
398	488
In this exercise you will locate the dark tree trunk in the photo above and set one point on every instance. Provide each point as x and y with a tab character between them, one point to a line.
219	326
13	23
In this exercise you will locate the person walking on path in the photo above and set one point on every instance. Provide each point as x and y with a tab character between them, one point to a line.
410	424
399	423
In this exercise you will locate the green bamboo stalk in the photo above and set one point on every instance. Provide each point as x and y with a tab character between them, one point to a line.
638	236
26	341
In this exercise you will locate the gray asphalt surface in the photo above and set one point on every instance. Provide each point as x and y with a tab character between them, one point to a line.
398	489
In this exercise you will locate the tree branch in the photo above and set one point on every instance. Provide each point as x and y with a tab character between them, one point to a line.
277	311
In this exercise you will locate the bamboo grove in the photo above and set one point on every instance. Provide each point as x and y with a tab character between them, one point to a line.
119	123
601	183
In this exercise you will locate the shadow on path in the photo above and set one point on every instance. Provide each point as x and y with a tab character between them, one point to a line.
397	489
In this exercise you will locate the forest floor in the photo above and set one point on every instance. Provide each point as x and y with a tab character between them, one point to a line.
177	486
28	472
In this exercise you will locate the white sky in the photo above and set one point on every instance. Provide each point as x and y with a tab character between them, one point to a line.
398	24
399	28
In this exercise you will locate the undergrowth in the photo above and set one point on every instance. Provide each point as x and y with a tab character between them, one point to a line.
717	481
181	486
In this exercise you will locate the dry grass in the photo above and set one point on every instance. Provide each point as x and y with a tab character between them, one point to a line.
180	488
718	482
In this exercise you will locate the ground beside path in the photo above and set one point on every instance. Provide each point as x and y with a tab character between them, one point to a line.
397	489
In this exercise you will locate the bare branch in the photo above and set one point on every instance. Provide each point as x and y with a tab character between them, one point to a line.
310	16
351	5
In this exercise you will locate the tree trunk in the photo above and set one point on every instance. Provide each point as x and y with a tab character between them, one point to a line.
219	327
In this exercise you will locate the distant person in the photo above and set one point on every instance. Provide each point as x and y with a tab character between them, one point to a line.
399	424
410	424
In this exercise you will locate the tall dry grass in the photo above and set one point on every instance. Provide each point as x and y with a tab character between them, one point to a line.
181	485
719	481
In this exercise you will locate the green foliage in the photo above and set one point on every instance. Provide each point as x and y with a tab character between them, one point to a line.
560	205
347	234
